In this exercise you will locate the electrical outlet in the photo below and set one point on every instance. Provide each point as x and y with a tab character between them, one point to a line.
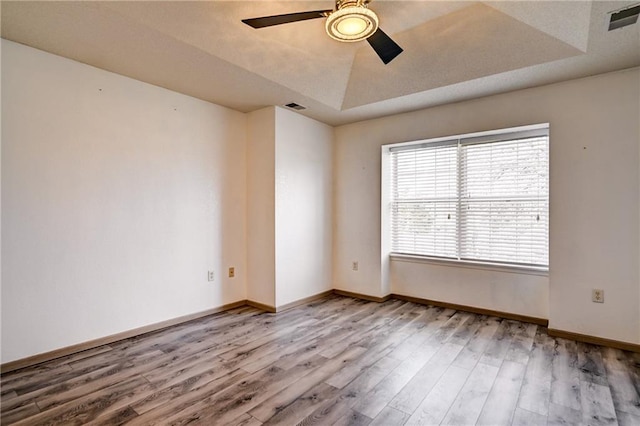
354	265
597	295
232	272
210	275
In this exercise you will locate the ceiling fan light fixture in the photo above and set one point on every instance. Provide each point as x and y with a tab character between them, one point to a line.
352	22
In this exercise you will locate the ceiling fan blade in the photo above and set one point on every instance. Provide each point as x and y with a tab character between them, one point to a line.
386	48
268	21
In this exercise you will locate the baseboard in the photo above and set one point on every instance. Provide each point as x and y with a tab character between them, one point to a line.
70	350
91	344
302	301
632	347
600	341
506	315
261	306
362	296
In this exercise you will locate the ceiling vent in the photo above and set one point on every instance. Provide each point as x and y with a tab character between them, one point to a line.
294	105
624	17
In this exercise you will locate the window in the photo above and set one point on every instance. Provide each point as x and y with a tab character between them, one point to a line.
476	198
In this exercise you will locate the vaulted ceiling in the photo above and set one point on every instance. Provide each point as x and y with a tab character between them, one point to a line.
453	50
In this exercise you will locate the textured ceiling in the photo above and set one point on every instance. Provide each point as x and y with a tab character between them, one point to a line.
453	50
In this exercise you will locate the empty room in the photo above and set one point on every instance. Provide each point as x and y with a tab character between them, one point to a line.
345	212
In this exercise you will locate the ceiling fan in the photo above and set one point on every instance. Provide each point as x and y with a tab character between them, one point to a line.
350	21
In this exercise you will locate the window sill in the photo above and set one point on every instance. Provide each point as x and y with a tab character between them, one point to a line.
513	269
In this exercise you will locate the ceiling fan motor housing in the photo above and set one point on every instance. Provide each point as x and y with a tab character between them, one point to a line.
351	21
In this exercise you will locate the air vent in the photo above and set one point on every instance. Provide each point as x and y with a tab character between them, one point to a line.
294	105
624	17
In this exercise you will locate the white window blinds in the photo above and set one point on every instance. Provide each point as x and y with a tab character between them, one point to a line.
477	199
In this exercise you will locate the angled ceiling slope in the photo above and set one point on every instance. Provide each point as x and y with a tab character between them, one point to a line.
452	50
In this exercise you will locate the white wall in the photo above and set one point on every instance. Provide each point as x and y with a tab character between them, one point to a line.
594	237
289	206
595	204
117	197
261	204
0	196
303	206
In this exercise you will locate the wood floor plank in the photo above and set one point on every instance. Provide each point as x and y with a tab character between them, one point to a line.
179	369
339	306
336	360
467	406
268	342
10	381
535	396
90	383
535	393
286	354
522	342
372	366
374	402
406	348
118	417
335	330
369	362
174	397
565	384
89	407
561	415
464	332
523	417
624	394
410	397
183	361
591	364
503	398
276	403
497	348
18	413
353	418
403	315
369	313
456	322
225	341
9	395
303	406
332	409
46	371
376	399
478	343
617	359
626	419
390	417
597	405
68	386
435	405
247	420
238	399
22	381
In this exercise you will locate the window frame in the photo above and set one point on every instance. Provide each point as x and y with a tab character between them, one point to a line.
501	135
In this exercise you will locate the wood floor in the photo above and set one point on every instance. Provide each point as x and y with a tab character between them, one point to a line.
334	361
